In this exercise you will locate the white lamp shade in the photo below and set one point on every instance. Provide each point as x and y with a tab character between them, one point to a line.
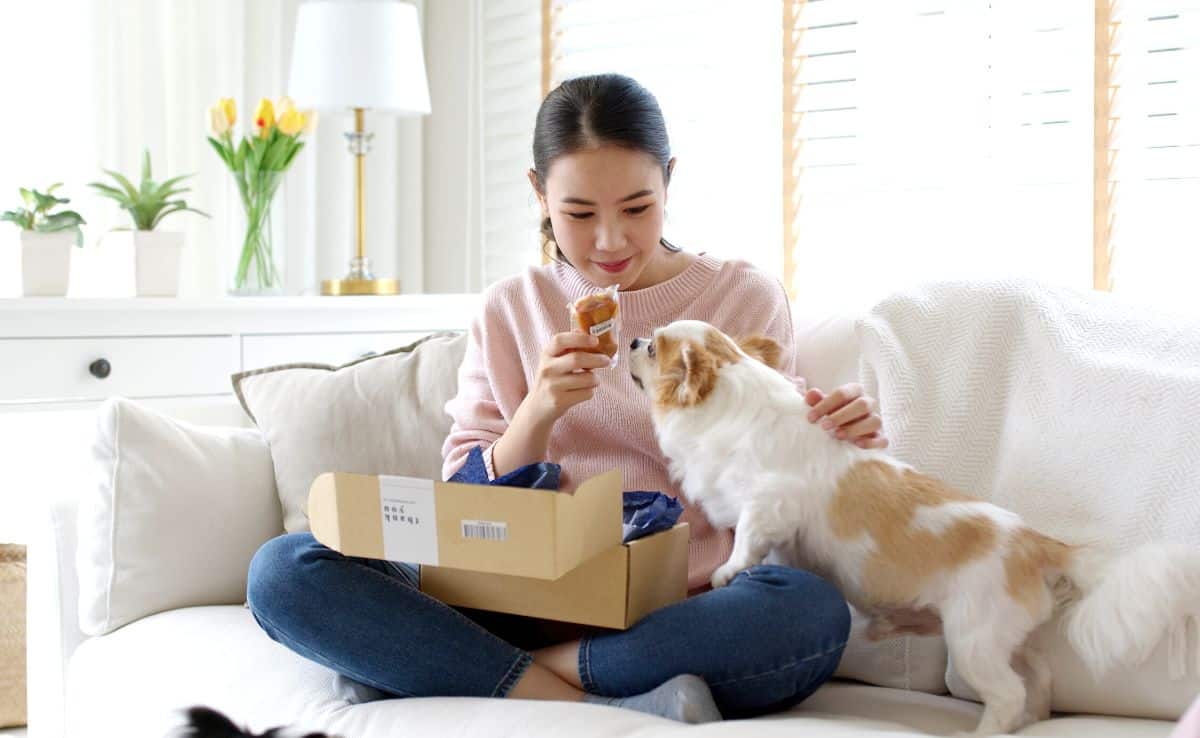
359	54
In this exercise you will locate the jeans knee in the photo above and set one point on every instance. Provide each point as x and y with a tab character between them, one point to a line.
814	601
273	564
797	625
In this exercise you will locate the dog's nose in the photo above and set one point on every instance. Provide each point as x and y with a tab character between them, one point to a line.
634	345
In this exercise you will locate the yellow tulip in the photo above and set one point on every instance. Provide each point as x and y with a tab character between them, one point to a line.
284	104
218	124
310	122
229	107
264	117
291	122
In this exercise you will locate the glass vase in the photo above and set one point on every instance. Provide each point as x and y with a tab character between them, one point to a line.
256	273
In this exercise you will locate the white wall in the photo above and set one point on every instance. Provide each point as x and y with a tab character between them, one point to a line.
450	142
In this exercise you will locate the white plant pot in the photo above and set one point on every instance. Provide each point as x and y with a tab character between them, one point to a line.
156	262
46	263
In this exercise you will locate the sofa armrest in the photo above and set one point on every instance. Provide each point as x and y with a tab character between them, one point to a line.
53	613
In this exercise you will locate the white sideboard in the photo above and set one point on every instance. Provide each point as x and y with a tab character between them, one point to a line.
59	357
57	350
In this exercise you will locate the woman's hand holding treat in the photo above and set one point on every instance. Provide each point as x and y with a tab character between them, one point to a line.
564	379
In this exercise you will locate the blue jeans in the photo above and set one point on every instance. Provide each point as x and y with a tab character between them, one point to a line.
763	643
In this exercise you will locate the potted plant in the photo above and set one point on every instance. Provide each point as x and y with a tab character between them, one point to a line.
46	240
156	253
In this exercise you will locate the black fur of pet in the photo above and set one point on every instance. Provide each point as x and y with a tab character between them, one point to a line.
205	722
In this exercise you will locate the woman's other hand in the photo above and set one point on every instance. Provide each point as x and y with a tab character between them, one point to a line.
848	414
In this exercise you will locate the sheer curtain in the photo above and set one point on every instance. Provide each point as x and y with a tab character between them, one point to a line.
124	75
46	129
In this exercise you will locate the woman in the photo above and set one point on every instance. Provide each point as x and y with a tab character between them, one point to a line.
530	390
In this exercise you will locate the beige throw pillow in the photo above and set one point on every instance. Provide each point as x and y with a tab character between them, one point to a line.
382	414
176	515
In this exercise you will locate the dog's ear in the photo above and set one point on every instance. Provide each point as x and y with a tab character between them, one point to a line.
687	374
766	350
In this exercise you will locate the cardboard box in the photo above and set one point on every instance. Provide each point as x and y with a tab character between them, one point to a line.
613	590
534	533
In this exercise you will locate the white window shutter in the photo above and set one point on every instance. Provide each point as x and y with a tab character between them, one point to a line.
1156	146
511	57
940	139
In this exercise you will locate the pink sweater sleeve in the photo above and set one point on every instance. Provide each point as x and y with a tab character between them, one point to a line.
474	412
1189	725
779	327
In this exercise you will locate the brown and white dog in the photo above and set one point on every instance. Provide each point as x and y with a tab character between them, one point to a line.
904	548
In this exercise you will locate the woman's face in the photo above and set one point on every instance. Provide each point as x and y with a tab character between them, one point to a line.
606	207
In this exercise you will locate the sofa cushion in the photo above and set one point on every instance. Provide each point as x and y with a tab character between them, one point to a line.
1075	410
176	515
384	414
907	662
135	681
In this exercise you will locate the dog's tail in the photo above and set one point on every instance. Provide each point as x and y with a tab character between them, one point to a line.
1127	602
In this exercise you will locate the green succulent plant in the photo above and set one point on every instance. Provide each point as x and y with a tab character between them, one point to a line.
149	203
36	215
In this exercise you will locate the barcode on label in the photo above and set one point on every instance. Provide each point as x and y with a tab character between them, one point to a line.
485	530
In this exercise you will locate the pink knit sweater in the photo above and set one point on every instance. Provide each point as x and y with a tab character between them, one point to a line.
613	429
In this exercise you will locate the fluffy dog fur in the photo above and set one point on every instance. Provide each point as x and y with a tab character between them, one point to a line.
910	552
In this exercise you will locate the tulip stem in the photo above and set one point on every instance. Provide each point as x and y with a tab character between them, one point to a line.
257	245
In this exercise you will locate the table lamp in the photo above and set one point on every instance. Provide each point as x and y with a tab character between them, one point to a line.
359	55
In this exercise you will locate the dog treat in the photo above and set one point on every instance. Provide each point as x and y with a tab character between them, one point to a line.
596	314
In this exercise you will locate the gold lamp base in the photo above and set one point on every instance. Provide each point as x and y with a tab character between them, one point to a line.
360	287
359	279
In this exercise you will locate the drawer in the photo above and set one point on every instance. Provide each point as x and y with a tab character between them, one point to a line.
259	351
38	369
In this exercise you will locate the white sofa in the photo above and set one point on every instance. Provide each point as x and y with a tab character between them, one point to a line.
133	681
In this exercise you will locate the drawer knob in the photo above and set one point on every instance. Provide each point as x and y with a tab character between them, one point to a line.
100	368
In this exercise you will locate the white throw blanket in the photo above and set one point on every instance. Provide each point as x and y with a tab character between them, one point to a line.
1078	411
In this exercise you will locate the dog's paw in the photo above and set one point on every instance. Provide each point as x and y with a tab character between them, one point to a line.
723	574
